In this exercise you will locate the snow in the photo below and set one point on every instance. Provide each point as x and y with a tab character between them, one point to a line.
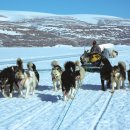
20	15
9	32
91	18
14	16
108	46
91	109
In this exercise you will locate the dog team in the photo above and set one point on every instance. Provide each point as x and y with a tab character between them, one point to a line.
68	79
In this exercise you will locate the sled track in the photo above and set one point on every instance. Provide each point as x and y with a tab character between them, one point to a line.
62	113
18	119
101	113
37	112
87	108
18	112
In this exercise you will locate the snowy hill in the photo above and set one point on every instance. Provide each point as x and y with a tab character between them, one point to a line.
91	109
20	28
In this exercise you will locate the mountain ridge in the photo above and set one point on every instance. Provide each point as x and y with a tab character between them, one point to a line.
22	28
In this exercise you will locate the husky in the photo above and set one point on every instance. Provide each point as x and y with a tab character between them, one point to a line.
27	80
79	74
32	66
68	80
105	73
118	75
56	75
8	82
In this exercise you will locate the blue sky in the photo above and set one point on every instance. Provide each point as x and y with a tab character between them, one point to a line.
120	8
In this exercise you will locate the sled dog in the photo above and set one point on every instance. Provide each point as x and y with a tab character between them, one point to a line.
27	80
68	80
79	74
56	75
118	75
105	73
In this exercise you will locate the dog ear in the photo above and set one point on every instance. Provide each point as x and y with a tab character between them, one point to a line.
12	68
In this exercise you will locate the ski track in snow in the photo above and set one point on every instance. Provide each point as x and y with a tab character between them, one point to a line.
119	119
95	102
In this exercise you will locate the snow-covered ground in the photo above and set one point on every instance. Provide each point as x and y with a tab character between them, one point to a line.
91	109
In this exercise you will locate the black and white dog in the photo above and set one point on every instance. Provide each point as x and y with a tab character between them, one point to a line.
68	80
105	72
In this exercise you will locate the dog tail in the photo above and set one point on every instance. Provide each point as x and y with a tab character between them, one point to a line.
70	66
122	67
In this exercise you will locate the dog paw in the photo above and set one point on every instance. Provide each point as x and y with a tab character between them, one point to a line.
112	91
4	95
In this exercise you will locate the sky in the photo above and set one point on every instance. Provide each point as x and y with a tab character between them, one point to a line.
119	8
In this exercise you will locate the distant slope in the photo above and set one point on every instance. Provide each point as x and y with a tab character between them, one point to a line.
20	28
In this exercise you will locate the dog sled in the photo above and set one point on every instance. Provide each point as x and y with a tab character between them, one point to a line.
91	62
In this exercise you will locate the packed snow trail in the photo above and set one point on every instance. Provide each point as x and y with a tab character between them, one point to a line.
117	115
101	112
96	102
43	120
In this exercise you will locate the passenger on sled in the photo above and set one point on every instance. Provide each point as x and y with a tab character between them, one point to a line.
95	48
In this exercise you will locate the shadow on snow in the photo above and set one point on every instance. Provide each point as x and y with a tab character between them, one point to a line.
91	87
49	97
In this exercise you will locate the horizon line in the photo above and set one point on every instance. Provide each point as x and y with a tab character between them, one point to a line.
62	13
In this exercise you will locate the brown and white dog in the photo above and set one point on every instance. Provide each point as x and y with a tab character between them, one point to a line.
56	75
28	80
118	76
